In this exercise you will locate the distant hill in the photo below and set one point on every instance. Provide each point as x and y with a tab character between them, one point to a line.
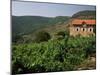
27	24
86	14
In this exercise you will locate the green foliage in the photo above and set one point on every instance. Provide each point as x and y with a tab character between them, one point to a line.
42	36
54	55
28	24
17	39
62	33
59	20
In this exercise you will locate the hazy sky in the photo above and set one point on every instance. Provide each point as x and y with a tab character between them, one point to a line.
46	9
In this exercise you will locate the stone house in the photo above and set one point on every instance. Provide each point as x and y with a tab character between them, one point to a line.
82	27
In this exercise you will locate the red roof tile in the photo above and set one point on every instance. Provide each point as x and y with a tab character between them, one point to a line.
78	21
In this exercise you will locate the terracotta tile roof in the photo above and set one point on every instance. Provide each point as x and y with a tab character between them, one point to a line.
78	21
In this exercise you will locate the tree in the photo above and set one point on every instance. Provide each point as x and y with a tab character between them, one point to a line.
42	36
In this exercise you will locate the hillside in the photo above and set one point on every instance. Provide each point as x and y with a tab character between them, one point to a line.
86	14
28	24
43	44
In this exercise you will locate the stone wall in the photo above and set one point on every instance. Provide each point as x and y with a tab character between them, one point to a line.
76	30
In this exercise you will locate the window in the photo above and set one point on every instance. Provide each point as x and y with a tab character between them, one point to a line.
90	29
77	29
83	29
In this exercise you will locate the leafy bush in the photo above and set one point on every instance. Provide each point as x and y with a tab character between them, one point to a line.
62	33
54	55
42	36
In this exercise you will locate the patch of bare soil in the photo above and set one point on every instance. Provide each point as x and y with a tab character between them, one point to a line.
88	64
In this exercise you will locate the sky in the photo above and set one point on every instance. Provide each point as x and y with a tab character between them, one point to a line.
22	8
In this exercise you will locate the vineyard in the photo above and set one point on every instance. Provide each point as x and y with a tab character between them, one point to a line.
53	55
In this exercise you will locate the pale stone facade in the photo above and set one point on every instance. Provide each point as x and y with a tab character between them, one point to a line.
83	29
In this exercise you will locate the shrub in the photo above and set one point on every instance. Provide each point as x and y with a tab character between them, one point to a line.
42	36
54	55
61	33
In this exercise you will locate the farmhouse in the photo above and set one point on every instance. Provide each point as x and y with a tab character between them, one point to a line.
82	27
